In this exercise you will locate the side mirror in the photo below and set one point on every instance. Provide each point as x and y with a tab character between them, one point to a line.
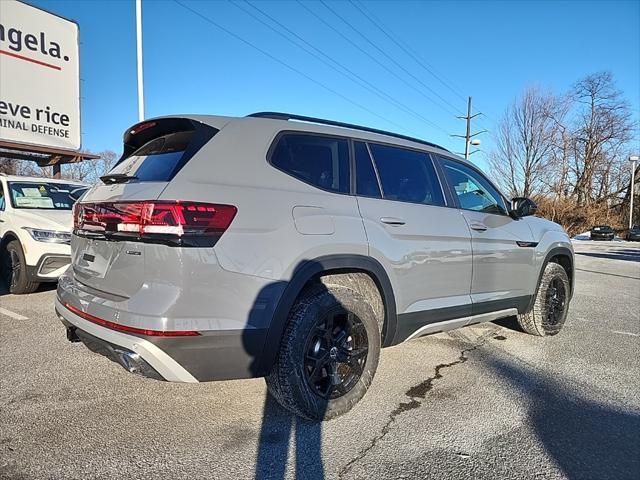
522	207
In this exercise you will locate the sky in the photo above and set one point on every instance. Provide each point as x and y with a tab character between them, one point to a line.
490	50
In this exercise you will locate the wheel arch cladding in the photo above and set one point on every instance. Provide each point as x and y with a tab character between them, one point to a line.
566	262
311	270
6	238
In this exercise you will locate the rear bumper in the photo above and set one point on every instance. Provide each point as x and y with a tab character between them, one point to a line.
232	322
110	343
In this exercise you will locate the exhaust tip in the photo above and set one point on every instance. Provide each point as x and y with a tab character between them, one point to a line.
132	362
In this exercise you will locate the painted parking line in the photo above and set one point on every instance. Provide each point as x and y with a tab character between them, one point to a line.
14	315
607	273
626	333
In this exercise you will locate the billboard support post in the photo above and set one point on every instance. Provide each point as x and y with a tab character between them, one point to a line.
139	60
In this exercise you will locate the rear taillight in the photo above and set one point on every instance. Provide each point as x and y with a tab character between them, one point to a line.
172	222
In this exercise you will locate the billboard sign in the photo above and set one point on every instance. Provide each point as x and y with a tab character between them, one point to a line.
39	77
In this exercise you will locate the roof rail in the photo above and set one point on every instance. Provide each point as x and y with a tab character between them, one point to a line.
333	123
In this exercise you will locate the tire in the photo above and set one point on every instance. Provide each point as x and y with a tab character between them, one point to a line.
551	305
14	270
320	372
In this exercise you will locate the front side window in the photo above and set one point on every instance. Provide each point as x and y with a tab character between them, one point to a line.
407	175
1	197
474	192
42	195
317	160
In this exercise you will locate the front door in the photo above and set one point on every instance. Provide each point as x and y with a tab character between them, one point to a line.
503	252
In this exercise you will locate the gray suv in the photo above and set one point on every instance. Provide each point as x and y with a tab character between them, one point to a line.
294	248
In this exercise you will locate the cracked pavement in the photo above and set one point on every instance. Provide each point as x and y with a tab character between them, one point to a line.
486	401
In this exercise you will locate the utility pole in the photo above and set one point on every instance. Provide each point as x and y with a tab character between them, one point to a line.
139	60
468	136
632	190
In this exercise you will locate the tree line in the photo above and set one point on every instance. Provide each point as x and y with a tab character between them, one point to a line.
569	152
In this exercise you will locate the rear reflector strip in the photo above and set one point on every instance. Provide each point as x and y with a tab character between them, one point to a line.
127	329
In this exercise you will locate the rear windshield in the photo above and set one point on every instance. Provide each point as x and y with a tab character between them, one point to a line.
44	195
157	159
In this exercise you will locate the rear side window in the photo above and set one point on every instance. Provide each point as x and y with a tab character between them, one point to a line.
407	175
157	159
317	160
366	179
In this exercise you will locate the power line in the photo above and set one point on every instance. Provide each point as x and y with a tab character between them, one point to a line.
409	51
281	62
330	62
406	50
394	61
348	40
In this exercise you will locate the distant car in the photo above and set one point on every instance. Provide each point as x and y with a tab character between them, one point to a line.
35	229
602	232
634	234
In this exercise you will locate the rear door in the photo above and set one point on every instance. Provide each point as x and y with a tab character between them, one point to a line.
425	245
154	152
502	247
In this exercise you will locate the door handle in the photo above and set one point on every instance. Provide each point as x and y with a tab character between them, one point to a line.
392	221
478	227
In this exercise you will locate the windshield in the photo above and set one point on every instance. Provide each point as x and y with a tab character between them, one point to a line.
43	195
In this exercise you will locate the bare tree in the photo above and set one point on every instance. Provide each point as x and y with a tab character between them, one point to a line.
88	171
7	165
527	137
601	133
91	170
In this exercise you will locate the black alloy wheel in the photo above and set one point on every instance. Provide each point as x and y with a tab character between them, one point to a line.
329	353
549	311
335	354
11	269
556	297
14	269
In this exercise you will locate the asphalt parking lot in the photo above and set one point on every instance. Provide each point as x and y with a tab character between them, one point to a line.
483	402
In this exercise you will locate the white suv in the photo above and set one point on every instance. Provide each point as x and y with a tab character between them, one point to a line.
35	229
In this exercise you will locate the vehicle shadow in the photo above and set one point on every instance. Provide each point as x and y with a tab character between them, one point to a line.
509	322
280	431
284	437
587	439
629	255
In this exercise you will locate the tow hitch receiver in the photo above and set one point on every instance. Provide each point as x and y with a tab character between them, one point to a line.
71	335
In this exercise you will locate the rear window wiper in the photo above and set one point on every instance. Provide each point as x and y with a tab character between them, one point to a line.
117	178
